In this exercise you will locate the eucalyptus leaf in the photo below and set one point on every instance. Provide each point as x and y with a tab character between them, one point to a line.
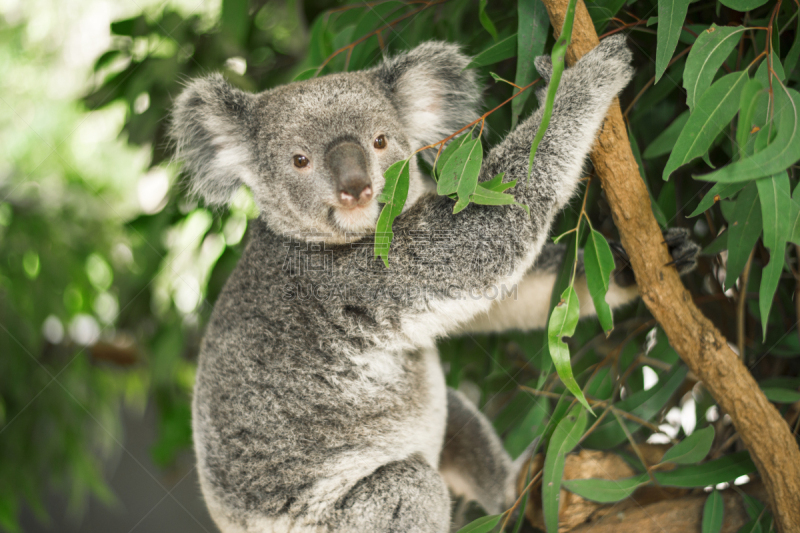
692	449
671	14
566	436
718	105
744	230
486	22
605	490
505	49
743	5
563	321
482	525
710	50
713	513
665	142
715	194
533	24
599	264
451	148
394	195
776	202
782	151
468	181
720	470
747	104
464	158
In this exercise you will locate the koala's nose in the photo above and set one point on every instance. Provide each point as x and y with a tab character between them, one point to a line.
348	165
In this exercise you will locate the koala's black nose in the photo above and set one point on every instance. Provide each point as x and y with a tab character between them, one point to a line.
348	165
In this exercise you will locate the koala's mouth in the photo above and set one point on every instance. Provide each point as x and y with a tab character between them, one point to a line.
358	219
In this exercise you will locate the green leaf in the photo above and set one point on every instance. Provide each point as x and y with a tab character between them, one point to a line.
671	14
393	197
692	449
505	49
643	404
306	74
744	230
486	22
776	203
533	25
718	192
557	57
794	52
753	526
468	181
743	5
748	104
482	525
717	246
483	196
598	262
496	183
605	490
456	165
720	470
709	51
713	113
781	153
665	142
713	512
566	436
563	321
779	395
448	152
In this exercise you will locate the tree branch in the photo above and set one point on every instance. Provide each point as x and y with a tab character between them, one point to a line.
703	348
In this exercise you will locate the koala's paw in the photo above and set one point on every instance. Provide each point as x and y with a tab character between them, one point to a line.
682	248
609	65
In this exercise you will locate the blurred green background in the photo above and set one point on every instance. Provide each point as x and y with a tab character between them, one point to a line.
108	271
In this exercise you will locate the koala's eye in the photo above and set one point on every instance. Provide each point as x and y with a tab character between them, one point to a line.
300	161
380	142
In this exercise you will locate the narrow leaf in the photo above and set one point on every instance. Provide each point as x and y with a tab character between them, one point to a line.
713	513
779	395
566	436
744	229
563	321
448	152
393	197
718	192
665	142
455	167
709	51
714	111
496	183
483	196
748	103
505	49
720	470
781	153
671	14
486	22
482	525
531	37
599	264
776	203
743	5
692	449
468	181
605	490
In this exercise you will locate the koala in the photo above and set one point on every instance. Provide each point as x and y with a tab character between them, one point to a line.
320	402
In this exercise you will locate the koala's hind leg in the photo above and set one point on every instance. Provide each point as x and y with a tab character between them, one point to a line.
474	463
400	497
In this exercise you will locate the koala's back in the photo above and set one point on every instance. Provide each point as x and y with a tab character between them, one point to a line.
288	411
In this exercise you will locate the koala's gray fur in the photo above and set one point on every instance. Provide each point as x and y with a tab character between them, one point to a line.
331	414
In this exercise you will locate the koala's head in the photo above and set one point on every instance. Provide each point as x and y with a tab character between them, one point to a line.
314	152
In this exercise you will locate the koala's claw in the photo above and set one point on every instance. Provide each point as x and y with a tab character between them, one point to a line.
682	248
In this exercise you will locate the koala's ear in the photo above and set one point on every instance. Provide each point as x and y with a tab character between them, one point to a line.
212	127
431	90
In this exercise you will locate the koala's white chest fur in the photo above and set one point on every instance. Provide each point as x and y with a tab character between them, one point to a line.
418	430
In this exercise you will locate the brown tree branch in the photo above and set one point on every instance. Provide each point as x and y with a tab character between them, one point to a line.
703	348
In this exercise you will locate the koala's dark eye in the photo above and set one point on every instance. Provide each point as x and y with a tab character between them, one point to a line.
300	161
380	142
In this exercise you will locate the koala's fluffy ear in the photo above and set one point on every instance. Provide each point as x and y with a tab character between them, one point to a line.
431	91
211	127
